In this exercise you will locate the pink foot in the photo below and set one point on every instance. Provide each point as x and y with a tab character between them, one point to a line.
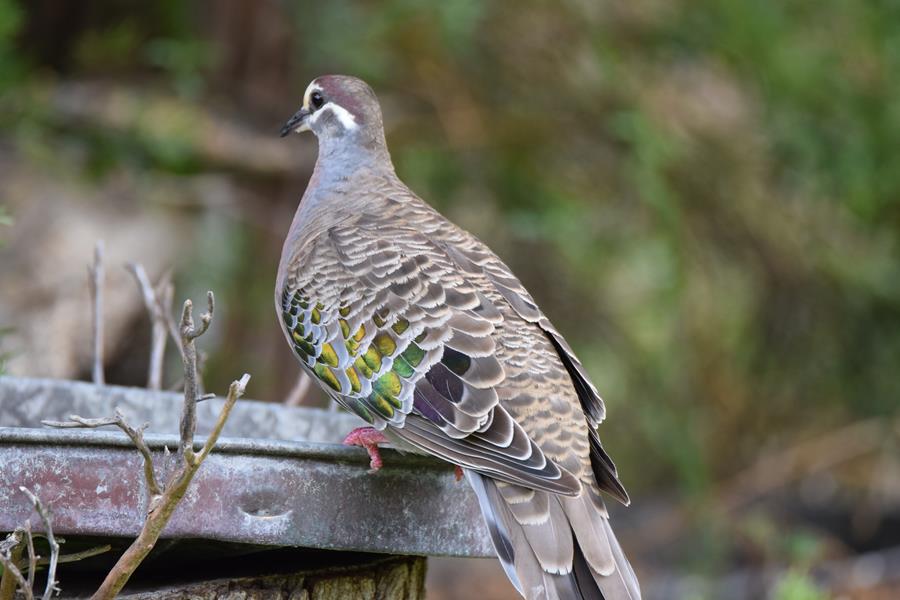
458	472
368	438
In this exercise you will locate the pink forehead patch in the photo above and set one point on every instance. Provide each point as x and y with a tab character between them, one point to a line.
343	91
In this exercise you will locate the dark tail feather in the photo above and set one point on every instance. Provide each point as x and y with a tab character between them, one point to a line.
554	548
584	578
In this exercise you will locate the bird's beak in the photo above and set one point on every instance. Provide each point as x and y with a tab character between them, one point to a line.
298	122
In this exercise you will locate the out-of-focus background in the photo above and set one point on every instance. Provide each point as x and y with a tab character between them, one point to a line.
703	196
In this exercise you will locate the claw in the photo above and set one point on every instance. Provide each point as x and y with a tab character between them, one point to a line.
368	438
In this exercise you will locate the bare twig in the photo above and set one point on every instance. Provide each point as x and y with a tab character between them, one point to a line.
235	391
14	545
95	283
75	422
187	318
158	302
11	541
136	435
165	498
12	574
159	516
76	556
165	293
298	392
201	367
32	557
10	554
165	297
189	333
54	546
156	310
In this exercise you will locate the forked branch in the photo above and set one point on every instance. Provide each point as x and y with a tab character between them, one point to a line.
164	499
135	433
51	539
190	332
10	554
158	302
15	544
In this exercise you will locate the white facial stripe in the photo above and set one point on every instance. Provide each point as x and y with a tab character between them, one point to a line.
309	90
342	114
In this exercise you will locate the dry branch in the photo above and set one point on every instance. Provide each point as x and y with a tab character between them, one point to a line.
158	302
95	283
12	548
165	499
12	574
136	435
165	293
189	333
54	546
157	342
159	515
10	554
76	556
11	541
32	557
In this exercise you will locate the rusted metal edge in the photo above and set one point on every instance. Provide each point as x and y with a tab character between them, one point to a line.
24	402
256	491
326	452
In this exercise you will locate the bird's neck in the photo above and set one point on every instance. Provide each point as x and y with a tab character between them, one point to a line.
345	181
363	147
339	166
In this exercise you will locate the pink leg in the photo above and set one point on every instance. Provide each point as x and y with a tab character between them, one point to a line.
458	472
368	438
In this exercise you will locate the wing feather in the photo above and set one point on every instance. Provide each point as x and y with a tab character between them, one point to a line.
410	344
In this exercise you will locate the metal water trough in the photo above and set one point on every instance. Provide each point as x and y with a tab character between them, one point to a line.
277	478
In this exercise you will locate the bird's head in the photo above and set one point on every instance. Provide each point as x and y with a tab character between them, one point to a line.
338	108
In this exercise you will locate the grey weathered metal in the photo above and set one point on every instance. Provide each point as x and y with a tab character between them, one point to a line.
276	478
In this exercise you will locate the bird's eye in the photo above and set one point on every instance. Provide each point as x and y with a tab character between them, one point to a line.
317	100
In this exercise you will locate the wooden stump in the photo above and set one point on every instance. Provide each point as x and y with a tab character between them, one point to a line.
388	578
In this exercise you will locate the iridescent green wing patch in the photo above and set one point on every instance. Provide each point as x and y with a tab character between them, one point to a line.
385	362
370	365
297	313
371	324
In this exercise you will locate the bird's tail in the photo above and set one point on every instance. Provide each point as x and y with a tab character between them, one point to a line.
554	547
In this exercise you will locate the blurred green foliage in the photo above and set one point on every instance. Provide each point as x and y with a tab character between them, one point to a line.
10	63
797	586
703	195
